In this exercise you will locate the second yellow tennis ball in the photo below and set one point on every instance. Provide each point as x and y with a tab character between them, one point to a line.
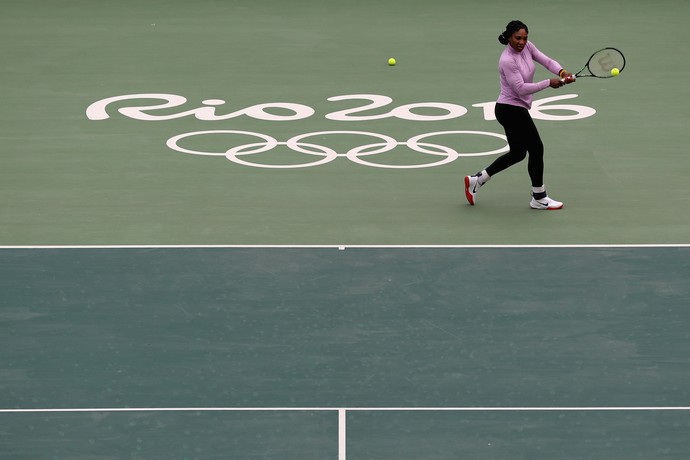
615	72
391	61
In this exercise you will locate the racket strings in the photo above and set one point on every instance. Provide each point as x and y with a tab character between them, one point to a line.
603	61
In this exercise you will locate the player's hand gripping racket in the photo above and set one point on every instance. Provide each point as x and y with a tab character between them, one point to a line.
605	63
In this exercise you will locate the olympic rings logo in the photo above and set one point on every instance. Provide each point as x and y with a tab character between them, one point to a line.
362	108
242	154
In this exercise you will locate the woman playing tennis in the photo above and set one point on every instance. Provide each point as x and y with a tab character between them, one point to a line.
516	70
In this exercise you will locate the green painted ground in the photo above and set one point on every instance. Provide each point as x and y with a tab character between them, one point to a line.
265	327
66	179
399	328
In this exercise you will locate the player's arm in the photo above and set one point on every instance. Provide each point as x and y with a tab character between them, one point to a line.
514	79
553	66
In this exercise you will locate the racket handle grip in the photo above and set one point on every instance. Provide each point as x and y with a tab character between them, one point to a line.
569	79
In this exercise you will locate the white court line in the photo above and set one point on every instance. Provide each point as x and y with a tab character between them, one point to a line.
342	410
351	246
342	434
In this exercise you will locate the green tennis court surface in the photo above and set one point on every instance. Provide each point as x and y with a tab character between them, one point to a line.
315	333
68	179
273	133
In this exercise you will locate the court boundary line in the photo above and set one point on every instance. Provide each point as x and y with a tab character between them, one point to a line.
353	409
351	246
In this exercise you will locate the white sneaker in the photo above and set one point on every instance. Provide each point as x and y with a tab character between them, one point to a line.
471	188
545	203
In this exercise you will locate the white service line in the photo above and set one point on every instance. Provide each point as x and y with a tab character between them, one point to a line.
354	246
343	410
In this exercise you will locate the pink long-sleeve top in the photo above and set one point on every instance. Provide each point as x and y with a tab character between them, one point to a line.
516	70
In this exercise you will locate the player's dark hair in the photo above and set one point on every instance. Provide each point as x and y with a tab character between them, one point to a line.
511	28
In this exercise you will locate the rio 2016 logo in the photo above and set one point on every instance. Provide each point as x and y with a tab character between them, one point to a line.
317	153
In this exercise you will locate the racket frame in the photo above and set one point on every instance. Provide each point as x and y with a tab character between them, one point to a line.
579	74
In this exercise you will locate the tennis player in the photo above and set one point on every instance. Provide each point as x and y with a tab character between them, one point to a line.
516	70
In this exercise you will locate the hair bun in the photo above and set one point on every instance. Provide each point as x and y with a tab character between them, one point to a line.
502	39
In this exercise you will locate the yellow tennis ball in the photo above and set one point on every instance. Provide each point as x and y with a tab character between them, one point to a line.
391	61
615	72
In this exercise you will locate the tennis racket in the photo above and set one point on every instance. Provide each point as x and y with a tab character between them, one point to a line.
601	63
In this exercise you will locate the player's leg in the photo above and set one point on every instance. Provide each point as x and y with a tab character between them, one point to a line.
514	121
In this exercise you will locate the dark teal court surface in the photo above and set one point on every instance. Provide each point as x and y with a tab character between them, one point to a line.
186	336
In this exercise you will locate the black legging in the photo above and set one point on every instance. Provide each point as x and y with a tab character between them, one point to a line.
522	137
